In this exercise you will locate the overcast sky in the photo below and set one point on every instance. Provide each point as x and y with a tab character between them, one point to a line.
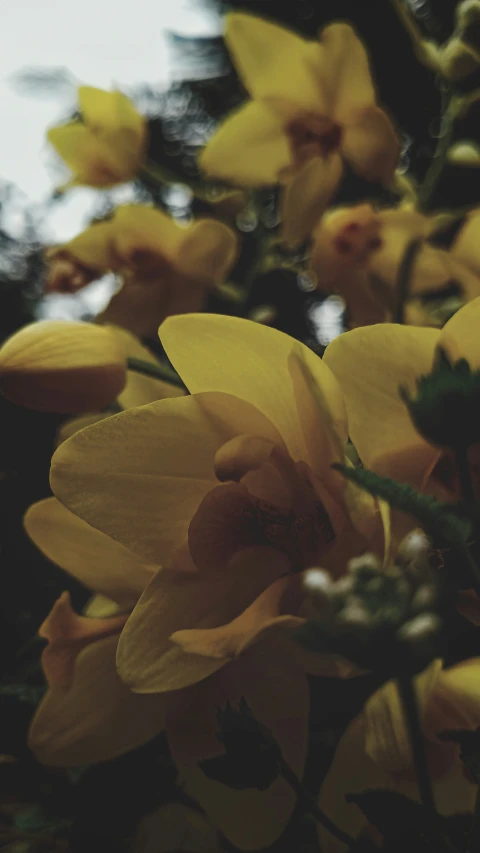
101	43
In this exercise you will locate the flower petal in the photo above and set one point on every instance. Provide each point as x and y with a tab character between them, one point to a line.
277	693
274	608
174	601
465	246
459	337
108	110
457	695
98	718
307	195
370	363
94	247
140	389
370	144
387	741
174	826
67	634
254	363
249	148
274	62
96	560
345	71
208	251
140	476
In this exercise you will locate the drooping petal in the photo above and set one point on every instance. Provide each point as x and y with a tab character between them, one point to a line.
370	145
274	62
249	148
277	694
60	366
148	660
139	476
273	609
67	634
208	251
345	71
139	228
370	365
307	195
253	362
98	718
459	337
96	560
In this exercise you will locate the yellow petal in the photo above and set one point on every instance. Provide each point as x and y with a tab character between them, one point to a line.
457	693
465	246
274	62
352	771
277	694
345	71
60	366
254	362
98	718
94	248
306	197
249	148
67	634
102	607
464	154
139	228
92	162
387	740
370	364
208	251
271	610
459	336
97	561
108	110
73	425
140	476
177	601
370	145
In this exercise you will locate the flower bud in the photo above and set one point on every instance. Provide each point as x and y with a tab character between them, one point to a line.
60	366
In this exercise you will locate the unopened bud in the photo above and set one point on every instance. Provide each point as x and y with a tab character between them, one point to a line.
366	563
424	598
60	366
420	628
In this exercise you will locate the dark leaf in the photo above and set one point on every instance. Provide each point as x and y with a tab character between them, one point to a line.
469	748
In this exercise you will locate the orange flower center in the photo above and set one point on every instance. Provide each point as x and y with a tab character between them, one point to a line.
357	240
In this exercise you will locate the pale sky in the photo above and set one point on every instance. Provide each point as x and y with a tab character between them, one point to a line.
103	43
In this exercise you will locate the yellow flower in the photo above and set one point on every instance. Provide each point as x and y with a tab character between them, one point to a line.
59	366
460	55
167	268
374	751
107	145
312	107
231	491
370	364
357	252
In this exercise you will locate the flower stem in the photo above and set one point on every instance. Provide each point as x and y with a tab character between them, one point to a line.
410	709
157	371
434	173
308	801
404	276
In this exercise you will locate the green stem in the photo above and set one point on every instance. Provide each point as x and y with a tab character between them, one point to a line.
404	276
309	802
473	845
157	371
434	173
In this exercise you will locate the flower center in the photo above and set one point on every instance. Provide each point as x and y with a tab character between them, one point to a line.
312	136
303	538
358	239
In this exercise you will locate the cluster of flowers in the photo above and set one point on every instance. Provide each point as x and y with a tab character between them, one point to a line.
201	513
